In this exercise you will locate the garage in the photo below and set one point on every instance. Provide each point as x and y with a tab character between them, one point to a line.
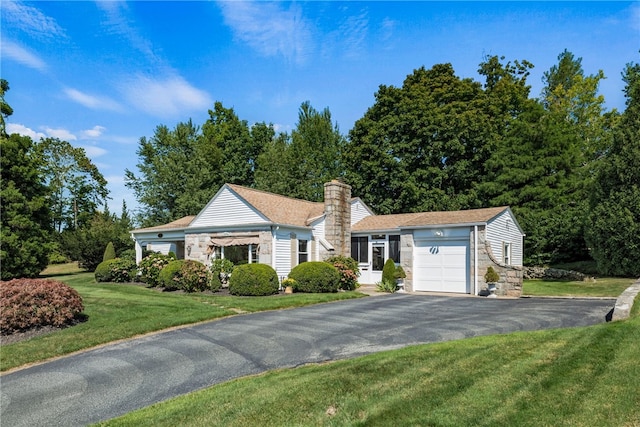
441	266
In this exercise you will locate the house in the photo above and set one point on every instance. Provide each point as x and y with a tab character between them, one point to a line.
439	251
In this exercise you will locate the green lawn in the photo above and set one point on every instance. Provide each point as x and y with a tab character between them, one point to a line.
602	287
565	377
119	311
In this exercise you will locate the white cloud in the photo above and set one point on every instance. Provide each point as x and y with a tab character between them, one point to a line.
62	134
270	29
22	55
24	131
91	101
166	97
94	132
354	32
31	20
93	151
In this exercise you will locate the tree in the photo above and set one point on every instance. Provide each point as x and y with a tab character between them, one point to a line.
613	230
5	108
273	172
180	170
315	153
422	146
240	147
24	244
76	185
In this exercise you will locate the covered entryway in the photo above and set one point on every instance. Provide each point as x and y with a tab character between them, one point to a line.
441	266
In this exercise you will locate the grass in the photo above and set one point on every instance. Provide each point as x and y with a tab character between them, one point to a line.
565	377
119	311
602	287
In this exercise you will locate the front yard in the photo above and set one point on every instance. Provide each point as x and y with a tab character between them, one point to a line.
601	287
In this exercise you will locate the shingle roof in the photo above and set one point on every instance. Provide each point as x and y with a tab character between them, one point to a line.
280	209
177	224
422	219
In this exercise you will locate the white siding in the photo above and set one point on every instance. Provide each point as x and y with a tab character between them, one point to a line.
318	229
283	253
358	211
226	209
504	229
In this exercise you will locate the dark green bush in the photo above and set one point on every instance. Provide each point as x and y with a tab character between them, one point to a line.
253	280
389	271
109	252
491	276
348	269
116	270
315	277
169	276
150	267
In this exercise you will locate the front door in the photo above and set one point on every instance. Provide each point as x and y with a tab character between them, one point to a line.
377	261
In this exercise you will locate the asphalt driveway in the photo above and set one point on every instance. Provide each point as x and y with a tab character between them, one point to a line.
116	379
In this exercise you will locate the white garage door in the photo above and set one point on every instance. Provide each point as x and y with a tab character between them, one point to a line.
441	266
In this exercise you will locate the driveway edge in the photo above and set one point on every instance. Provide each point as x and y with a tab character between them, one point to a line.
624	303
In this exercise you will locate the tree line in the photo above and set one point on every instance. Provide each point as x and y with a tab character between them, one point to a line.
566	166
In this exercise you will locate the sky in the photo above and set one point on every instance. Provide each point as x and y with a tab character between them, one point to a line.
103	74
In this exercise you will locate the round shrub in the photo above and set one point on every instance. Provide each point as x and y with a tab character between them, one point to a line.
169	276
150	267
116	270
316	277
348	269
29	303
253	280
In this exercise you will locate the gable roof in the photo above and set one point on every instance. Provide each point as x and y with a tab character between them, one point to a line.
426	219
280	209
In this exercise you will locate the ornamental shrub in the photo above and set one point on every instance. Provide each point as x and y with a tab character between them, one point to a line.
491	276
30	303
315	277
348	269
195	276
389	271
169	276
253	280
150	267
109	252
117	270
222	269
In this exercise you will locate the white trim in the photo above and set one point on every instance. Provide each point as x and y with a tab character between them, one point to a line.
328	246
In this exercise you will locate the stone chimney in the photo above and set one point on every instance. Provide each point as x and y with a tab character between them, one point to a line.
337	209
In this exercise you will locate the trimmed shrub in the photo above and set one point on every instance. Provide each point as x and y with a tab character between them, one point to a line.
253	280
389	271
348	269
491	276
400	274
315	277
109	252
150	267
30	303
116	270
169	276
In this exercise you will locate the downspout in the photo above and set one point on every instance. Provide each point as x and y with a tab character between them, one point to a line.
475	259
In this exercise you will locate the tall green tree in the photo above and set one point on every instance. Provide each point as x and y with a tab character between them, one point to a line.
180	170
5	108
315	153
273	172
76	186
24	243
613	226
421	146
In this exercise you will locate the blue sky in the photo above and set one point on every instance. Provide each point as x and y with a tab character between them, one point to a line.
103	74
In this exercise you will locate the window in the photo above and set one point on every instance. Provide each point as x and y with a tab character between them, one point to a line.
394	248
240	254
506	253
360	249
303	251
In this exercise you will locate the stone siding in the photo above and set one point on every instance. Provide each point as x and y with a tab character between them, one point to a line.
337	208
510	283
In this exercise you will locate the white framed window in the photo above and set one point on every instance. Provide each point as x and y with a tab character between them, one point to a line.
506	253
303	251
